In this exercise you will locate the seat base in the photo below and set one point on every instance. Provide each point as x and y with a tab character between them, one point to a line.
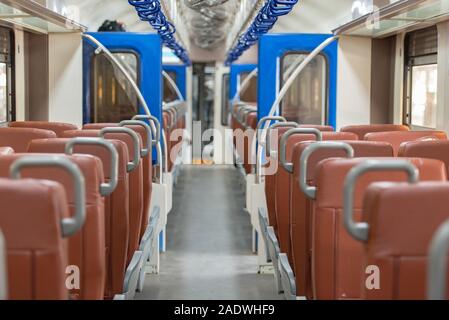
274	250
131	278
263	225
287	277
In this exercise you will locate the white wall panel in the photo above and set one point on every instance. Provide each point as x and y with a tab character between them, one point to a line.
354	81
66	78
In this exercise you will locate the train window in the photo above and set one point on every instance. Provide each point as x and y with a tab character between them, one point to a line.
250	93
6	105
306	100
421	78
170	94
225	102
424	96
114	99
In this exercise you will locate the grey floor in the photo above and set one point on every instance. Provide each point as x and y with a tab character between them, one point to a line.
209	242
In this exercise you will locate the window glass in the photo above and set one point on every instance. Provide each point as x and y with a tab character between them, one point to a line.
306	100
250	93
170	94
424	96
114	99
420	105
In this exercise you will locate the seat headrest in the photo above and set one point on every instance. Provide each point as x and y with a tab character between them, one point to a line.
362	149
31	213
330	176
436	149
90	166
339	136
110	136
362	130
138	129
19	138
58	146
252	120
405	215
56	127
327	136
396	138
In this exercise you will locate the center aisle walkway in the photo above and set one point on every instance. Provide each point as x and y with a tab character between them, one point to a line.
209	242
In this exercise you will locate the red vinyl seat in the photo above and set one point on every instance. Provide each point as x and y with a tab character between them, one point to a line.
147	167
403	218
301	205
113	260
167	127
87	247
36	252
283	185
322	128
56	127
437	149
337	258
117	212
135	192
251	124
19	138
362	130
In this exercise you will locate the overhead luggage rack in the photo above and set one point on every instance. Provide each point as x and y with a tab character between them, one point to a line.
37	18
398	16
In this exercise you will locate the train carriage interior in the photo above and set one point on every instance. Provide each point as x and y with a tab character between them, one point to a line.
254	150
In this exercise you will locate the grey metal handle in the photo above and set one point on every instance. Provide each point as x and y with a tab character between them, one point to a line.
288	166
360	230
156	123
437	264
276	126
135	163
145	151
105	188
71	225
310	191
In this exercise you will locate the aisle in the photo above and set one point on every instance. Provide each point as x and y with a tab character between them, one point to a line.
209	242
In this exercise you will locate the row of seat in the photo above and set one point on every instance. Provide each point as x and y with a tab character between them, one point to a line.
305	227
110	247
174	121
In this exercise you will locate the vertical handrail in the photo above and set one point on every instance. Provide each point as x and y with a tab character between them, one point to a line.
244	85
275	107
173	85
